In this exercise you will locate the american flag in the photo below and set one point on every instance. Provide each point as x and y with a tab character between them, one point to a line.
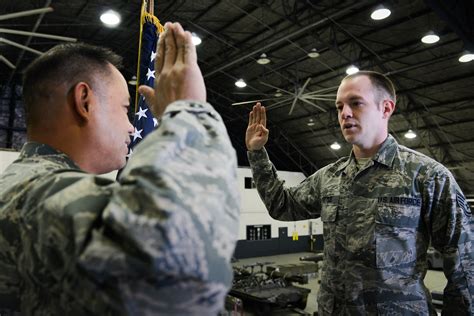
144	122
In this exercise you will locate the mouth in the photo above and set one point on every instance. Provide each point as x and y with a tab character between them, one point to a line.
348	126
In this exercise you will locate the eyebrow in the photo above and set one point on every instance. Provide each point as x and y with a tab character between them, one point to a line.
351	98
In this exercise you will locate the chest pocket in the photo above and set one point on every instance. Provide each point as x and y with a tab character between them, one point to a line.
396	228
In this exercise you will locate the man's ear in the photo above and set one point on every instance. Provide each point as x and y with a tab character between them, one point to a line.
82	100
388	107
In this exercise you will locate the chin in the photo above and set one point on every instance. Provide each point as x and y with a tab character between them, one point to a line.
349	139
112	167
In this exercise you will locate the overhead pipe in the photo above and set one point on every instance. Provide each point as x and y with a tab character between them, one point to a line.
25	13
284	38
34	34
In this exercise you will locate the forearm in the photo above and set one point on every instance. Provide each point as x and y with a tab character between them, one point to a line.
452	234
458	295
282	203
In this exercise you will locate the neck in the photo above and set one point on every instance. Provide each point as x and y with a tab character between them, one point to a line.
67	139
361	151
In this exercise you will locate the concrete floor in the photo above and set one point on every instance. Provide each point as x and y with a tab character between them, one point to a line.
434	280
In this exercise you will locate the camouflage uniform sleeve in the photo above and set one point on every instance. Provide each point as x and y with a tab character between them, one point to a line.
285	204
161	240
452	231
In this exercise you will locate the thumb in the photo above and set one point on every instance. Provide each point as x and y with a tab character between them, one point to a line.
148	93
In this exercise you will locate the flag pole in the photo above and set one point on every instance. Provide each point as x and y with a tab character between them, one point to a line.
146	14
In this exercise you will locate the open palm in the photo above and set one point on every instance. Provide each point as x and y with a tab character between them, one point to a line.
257	133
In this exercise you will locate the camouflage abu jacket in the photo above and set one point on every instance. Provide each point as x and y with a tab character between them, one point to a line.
157	242
377	225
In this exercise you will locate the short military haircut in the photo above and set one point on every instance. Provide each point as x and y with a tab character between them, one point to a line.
381	82
65	63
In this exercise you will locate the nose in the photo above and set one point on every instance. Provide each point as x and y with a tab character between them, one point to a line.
130	128
346	111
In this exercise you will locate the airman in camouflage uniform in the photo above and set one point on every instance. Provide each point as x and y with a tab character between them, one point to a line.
156	242
379	216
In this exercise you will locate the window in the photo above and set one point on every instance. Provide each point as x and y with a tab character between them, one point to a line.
259	232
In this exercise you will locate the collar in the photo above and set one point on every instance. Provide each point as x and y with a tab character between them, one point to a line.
387	152
385	155
34	149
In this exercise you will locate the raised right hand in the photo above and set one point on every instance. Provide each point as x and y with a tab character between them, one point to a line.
257	133
178	74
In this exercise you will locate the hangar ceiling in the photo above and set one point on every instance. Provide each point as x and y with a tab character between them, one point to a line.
435	90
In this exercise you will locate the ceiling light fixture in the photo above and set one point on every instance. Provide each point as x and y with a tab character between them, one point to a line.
310	122
196	39
278	93
110	18
352	70
466	57
410	134
240	83
335	146
430	38
380	13
313	53
263	60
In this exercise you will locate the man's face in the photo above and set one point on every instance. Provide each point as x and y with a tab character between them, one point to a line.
112	126
361	119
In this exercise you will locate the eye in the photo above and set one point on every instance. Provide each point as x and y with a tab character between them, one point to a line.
356	103
339	107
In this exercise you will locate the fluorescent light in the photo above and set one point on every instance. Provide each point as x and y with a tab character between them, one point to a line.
263	60
410	134
133	81
240	83
466	57
352	70
278	93
313	53
310	122
380	13
196	39
430	38
335	146
110	18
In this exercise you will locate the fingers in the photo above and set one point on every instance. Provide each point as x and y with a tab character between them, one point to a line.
175	45
258	113
170	47
264	117
190	54
183	43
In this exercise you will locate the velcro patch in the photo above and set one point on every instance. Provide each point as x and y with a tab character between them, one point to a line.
462	203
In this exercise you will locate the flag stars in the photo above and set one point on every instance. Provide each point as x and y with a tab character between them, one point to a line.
141	113
153	56
155	122
137	134
130	153
150	73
